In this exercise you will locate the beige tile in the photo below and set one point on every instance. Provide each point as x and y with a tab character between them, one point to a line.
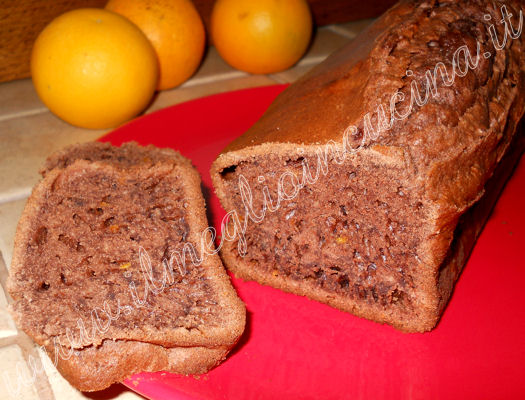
324	43
182	94
9	215
213	68
25	143
292	74
7	325
19	98
351	29
63	390
16	381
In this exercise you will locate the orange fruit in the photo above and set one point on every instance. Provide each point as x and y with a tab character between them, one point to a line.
94	68
176	31
261	36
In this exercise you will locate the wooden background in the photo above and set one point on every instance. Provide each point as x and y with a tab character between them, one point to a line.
22	20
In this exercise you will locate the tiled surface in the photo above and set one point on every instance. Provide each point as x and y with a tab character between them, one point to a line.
19	98
213	69
186	93
9	215
26	142
324	43
292	74
350	29
7	326
16	381
28	133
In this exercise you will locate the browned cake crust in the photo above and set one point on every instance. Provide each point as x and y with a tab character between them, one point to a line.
384	232
116	360
83	243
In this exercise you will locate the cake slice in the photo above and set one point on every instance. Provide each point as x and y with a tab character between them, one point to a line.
114	270
366	182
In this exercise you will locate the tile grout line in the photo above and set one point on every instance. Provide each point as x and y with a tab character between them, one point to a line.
26	345
41	380
27	113
341	31
8	341
213	78
20	195
305	62
239	74
277	79
4	273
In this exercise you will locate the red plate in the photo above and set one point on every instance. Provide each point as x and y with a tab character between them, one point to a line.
295	348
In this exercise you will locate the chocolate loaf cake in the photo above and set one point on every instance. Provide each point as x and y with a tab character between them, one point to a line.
366	182
113	269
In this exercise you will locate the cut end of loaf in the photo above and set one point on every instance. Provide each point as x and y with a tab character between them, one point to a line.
350	238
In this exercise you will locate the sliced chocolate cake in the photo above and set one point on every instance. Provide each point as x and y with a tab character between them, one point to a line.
366	182
114	271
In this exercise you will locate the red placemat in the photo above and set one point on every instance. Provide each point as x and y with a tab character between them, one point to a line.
295	348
